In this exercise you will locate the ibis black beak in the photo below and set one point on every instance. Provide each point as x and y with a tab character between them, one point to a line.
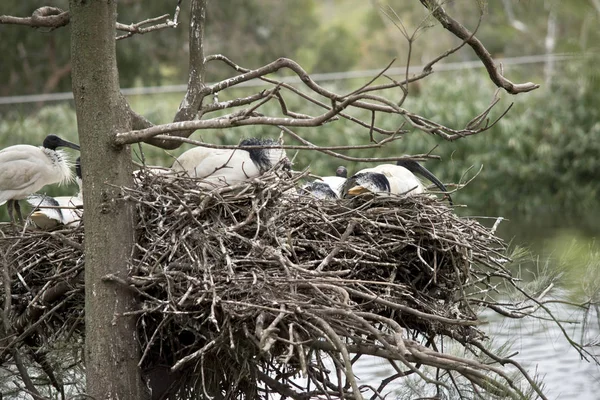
416	168
66	143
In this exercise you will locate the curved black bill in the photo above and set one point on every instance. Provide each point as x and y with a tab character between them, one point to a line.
66	143
416	168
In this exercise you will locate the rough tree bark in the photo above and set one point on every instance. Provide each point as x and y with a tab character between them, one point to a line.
111	348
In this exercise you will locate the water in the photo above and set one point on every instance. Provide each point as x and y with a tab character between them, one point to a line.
541	347
542	350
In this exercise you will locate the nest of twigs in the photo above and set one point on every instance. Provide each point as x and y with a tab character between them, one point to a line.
244	288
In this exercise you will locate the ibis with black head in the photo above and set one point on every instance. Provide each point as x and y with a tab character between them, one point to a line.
225	167
25	169
390	178
327	187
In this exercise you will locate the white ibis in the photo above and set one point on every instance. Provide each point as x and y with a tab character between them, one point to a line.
327	187
223	167
25	169
50	212
397	179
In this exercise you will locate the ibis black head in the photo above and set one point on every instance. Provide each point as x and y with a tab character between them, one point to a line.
78	167
416	168
261	157
52	142
341	171
320	190
365	182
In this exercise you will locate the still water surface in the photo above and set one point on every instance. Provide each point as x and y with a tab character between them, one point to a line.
541	345
542	350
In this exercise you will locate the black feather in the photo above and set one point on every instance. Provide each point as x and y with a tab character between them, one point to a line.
320	190
259	156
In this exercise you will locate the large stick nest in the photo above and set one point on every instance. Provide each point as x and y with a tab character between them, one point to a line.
243	288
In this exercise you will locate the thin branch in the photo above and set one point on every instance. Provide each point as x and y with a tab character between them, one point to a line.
53	18
136	28
228	122
463	33
222	58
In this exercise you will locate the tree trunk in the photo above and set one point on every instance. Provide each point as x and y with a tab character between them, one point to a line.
111	348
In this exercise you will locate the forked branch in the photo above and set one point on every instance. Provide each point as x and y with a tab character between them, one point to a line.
463	33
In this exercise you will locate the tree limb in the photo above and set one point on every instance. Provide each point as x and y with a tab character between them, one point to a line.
43	17
188	109
463	33
54	17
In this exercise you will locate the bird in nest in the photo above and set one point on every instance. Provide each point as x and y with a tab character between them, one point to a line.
225	167
327	187
390	178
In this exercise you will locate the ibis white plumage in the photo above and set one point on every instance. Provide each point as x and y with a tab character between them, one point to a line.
224	167
25	169
50	212
327	187
389	178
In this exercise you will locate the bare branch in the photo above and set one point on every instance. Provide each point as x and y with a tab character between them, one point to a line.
43	17
53	18
227	122
219	57
463	33
244	119
188	109
137	27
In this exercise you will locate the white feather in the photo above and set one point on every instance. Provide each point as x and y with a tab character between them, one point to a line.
222	167
46	216
25	169
335	183
401	179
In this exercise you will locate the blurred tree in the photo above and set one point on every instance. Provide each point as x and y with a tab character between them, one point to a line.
339	48
255	31
258	31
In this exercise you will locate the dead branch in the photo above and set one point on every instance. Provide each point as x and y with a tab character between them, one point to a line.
194	96
464	34
43	17
245	117
53	18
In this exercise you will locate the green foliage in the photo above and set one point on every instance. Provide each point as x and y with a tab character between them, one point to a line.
337	49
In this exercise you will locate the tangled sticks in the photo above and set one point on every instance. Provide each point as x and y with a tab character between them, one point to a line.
243	289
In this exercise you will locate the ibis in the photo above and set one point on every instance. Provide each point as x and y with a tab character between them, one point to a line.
223	167
327	187
25	169
396	179
50	212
